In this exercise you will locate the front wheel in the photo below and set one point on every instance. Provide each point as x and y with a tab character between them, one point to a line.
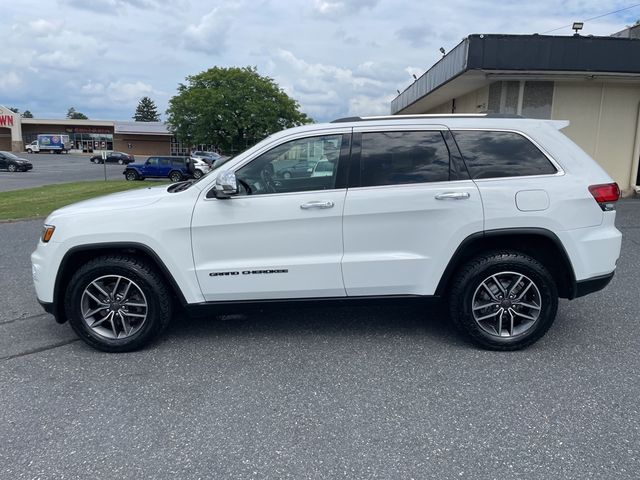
131	175
503	300
175	176
29	150
120	162
117	303
12	168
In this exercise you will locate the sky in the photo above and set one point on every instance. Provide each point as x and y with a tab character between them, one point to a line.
335	57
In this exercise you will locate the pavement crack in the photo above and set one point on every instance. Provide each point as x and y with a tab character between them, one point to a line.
39	349
24	318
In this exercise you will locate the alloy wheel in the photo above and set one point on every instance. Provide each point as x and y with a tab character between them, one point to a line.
114	307
506	304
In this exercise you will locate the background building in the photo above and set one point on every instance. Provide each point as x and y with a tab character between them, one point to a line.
594	82
137	138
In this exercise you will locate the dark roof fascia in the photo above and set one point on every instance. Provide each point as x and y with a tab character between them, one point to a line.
522	53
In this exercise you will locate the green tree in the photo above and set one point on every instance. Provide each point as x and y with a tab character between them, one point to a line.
14	109
231	108
146	111
27	114
71	113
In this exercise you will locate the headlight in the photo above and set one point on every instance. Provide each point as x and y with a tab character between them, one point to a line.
47	233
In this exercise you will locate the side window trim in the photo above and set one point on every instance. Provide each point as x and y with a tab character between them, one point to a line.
457	168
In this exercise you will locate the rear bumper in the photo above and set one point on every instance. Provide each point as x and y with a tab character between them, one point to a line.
594	284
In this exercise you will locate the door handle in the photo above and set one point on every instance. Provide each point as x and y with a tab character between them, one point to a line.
308	205
453	196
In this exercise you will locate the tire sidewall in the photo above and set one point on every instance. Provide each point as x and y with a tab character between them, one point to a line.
152	326
462	302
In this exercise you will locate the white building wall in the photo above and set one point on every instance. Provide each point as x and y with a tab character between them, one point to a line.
604	120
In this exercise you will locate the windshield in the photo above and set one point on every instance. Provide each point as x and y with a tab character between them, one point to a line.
9	155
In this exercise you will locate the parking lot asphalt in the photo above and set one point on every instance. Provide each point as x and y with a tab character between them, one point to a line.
51	168
325	392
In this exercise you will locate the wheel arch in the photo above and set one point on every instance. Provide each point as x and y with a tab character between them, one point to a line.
79	255
539	243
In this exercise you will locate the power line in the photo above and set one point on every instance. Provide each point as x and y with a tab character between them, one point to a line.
594	18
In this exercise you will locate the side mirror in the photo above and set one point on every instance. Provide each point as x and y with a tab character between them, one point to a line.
225	185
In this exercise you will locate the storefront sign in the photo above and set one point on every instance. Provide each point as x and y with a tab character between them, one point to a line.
6	120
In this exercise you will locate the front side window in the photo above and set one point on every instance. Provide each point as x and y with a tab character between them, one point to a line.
290	167
152	161
489	154
393	158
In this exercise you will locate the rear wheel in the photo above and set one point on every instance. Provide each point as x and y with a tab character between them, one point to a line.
197	174
117	303
131	175
175	176
286	175
503	300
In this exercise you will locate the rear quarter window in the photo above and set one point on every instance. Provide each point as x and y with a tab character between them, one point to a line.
490	154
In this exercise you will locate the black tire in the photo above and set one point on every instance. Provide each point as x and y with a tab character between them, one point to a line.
175	176
286	175
29	150
145	278
197	174
12	168
120	162
506	266
131	175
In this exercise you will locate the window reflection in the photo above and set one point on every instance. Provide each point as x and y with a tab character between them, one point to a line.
501	154
391	158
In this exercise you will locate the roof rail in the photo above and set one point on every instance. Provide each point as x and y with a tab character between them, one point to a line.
424	116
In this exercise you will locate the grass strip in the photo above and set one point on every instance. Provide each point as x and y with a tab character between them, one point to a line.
38	202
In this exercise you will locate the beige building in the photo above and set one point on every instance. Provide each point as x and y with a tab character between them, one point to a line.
594	82
88	136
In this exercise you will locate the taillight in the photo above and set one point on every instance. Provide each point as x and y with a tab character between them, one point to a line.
606	194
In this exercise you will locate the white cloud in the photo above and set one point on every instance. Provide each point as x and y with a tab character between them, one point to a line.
335	57
329	7
366	106
210	34
9	81
57	60
125	93
42	27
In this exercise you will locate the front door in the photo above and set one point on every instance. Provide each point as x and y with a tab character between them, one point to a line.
280	237
407	213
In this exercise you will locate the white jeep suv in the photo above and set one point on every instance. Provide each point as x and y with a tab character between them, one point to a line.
498	216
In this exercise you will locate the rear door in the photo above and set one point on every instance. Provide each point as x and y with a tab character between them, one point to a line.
409	205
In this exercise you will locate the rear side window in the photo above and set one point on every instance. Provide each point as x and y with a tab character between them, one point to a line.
490	154
393	158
